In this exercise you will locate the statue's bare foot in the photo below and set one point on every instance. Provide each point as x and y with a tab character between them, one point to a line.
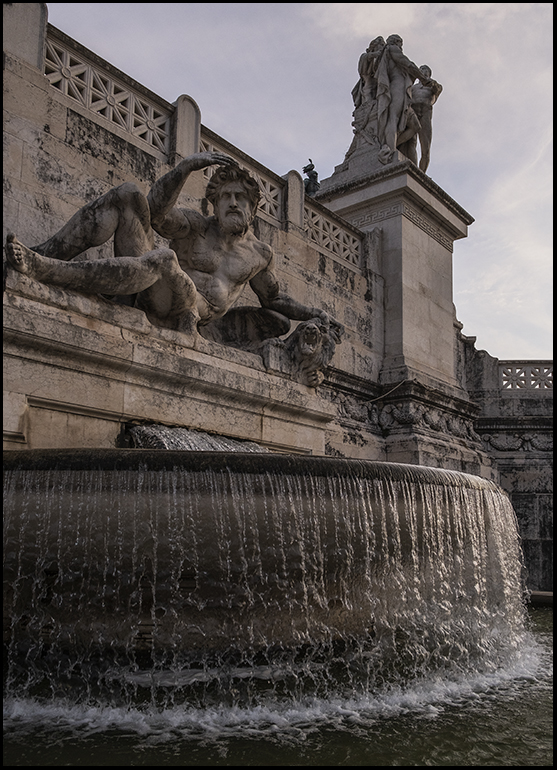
19	256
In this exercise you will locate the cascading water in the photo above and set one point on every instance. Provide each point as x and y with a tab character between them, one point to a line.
186	439
172	577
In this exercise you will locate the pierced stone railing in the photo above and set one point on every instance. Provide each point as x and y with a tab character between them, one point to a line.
330	236
525	375
105	91
100	90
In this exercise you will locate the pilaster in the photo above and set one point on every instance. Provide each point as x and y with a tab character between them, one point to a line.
24	31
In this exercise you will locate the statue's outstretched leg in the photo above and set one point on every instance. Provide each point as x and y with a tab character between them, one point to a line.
122	212
425	146
115	275
166	293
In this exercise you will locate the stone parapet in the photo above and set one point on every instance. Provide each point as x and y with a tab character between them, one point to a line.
77	369
107	92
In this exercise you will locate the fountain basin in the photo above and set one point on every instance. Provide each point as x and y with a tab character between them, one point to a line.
192	552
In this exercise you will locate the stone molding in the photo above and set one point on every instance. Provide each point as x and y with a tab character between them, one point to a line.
520	434
421	417
400	208
516	442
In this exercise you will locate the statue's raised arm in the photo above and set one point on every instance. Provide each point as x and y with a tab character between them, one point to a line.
194	282
163	195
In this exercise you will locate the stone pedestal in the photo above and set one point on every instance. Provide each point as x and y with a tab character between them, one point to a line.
415	224
78	369
419	223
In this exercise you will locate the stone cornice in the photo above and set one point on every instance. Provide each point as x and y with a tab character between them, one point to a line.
365	218
514	424
416	391
404	167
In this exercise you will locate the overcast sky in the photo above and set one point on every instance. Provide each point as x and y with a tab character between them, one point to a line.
274	79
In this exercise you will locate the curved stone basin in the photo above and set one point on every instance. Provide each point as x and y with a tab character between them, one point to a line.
196	551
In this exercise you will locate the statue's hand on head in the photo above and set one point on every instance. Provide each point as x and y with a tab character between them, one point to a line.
203	159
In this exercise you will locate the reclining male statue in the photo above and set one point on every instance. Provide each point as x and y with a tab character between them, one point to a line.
193	282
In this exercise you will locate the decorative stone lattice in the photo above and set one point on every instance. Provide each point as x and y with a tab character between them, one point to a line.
270	204
104	95
518	375
329	236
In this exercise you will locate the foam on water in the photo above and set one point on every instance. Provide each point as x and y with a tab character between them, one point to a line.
281	718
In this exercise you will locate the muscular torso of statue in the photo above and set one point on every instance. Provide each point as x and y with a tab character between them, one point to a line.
219	268
422	99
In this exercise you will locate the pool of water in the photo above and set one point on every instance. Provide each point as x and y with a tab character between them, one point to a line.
501	718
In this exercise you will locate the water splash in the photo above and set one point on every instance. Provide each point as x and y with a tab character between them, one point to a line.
162	579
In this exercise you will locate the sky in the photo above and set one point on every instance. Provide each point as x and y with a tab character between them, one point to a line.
275	80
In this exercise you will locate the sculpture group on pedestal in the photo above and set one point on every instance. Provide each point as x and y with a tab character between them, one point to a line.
193	283
391	111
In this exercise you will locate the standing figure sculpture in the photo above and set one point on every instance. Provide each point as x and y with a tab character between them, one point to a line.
364	94
365	89
396	121
423	99
197	279
390	113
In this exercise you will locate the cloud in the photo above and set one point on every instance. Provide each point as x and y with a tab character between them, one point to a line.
341	22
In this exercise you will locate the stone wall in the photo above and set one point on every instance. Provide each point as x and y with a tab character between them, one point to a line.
516	426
